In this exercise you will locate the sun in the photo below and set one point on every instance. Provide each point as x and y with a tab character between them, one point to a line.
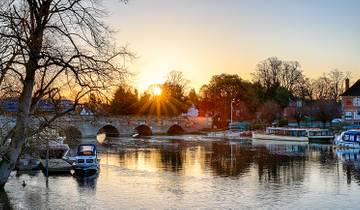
156	91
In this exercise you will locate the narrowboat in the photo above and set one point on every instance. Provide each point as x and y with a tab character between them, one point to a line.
86	162
349	138
312	135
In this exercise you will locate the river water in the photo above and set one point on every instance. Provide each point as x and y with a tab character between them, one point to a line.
193	172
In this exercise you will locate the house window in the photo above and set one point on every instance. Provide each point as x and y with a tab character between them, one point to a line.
348	115
356	115
356	101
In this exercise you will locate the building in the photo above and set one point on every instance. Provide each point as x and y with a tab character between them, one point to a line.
350	102
11	105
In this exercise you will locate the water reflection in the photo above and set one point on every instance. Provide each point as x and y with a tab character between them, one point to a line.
351	163
169	172
279	163
87	182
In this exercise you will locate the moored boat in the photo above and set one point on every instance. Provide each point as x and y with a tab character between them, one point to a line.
55	151
86	163
349	138
27	162
230	134
312	135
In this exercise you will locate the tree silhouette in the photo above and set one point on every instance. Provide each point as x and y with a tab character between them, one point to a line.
52	47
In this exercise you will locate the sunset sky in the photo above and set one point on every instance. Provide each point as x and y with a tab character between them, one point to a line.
207	37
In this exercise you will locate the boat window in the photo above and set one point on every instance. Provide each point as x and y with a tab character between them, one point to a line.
319	133
87	153
351	138
89	160
302	133
311	133
346	137
86	150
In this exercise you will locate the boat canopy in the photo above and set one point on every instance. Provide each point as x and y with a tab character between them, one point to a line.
86	149
286	131
320	132
353	132
298	132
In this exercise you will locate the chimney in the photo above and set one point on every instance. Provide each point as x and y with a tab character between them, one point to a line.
347	84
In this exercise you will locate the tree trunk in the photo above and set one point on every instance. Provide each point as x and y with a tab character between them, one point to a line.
7	164
4	200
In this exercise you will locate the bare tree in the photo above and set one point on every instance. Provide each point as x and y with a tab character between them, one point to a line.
272	73
304	90
337	84
268	72
329	86
321	88
52	48
291	75
176	78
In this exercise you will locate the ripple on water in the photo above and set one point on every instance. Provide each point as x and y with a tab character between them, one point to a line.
193	172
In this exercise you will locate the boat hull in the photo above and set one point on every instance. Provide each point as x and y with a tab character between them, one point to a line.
354	145
86	171
321	139
279	138
55	166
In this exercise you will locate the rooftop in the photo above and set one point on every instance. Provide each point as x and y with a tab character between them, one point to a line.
354	90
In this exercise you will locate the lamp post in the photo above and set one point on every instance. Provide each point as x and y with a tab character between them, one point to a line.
231	110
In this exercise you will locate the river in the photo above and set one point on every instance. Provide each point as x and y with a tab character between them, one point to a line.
193	172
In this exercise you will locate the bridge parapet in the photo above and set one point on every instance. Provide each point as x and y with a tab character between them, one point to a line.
89	126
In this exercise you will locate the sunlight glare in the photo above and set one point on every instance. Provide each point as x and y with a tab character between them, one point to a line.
156	91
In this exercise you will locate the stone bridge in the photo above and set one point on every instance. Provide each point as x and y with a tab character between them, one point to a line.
90	126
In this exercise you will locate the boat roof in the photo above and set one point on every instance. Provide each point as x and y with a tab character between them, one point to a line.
87	145
81	148
93	145
353	132
57	146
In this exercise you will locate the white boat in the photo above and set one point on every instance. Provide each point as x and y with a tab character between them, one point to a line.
230	134
314	135
350	139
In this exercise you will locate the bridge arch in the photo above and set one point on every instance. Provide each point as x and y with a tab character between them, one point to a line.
175	129
72	135
143	130
109	131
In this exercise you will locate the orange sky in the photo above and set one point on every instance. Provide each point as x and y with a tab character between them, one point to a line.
203	38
